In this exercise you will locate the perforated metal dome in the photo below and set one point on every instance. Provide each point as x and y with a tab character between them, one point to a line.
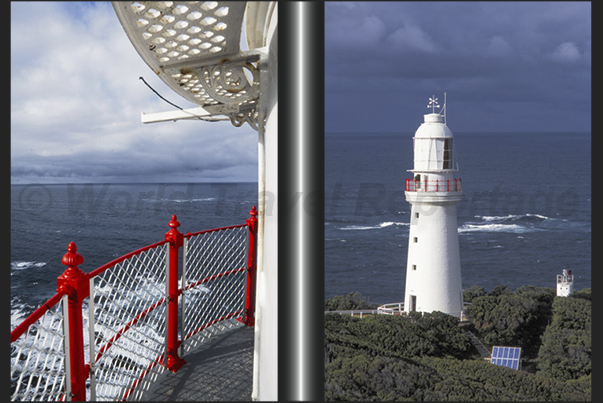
194	48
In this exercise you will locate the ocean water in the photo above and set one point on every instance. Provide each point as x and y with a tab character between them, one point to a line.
105	221
524	217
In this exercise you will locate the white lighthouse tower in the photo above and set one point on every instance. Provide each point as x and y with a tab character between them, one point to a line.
565	283
433	270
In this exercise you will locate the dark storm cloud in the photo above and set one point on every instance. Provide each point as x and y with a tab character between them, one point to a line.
206	159
503	57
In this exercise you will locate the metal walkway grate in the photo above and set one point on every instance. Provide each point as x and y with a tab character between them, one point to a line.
220	368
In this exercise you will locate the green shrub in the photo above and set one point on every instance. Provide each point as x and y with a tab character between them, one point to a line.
352	301
565	352
473	292
512	319
429	356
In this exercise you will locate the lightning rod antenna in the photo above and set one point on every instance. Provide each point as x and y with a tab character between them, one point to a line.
445	108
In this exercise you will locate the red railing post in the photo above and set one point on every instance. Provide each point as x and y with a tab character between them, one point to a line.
252	224
75	283
426	184
437	185
176	240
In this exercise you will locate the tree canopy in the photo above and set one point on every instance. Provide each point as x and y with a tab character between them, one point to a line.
352	301
430	357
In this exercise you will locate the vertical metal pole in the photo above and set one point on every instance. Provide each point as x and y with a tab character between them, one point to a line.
92	341
252	225
167	302
301	197
66	349
176	239
183	294
76	284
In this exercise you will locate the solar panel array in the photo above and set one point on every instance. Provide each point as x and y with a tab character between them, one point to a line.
506	356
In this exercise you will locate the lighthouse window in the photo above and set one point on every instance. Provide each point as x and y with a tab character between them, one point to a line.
414	267
447	154
415	239
416	215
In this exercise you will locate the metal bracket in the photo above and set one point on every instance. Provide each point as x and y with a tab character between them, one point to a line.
233	83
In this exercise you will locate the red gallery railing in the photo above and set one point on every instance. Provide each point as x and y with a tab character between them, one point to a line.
139	320
438	185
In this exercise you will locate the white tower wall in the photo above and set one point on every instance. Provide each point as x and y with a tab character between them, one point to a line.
433	272
265	361
434	267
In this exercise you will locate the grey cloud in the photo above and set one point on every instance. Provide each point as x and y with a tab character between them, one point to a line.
76	101
488	56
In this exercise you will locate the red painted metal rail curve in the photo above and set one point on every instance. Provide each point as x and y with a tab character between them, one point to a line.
174	238
125	257
37	314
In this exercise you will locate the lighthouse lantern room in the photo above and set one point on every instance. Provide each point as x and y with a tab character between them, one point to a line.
433	271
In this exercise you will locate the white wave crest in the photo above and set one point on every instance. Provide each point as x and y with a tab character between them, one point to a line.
22	265
512	217
513	228
368	227
193	200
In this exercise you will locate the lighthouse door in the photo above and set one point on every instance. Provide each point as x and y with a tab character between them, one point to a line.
413	303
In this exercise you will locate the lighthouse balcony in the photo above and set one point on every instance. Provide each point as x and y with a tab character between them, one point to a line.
436	185
433	191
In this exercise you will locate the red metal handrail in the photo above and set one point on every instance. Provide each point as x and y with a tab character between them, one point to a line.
37	314
214	277
120	259
433	185
191	234
213	322
75	284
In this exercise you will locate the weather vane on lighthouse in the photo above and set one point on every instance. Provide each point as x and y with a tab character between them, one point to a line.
433	103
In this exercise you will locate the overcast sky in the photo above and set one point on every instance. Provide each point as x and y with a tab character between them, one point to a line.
76	97
506	66
76	101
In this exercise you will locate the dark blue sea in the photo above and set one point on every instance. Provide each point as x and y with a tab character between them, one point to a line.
105	221
525	215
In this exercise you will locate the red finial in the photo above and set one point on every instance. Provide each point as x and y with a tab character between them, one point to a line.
252	221
174	223
173	235
72	258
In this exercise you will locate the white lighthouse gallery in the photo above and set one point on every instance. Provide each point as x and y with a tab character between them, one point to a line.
433	270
